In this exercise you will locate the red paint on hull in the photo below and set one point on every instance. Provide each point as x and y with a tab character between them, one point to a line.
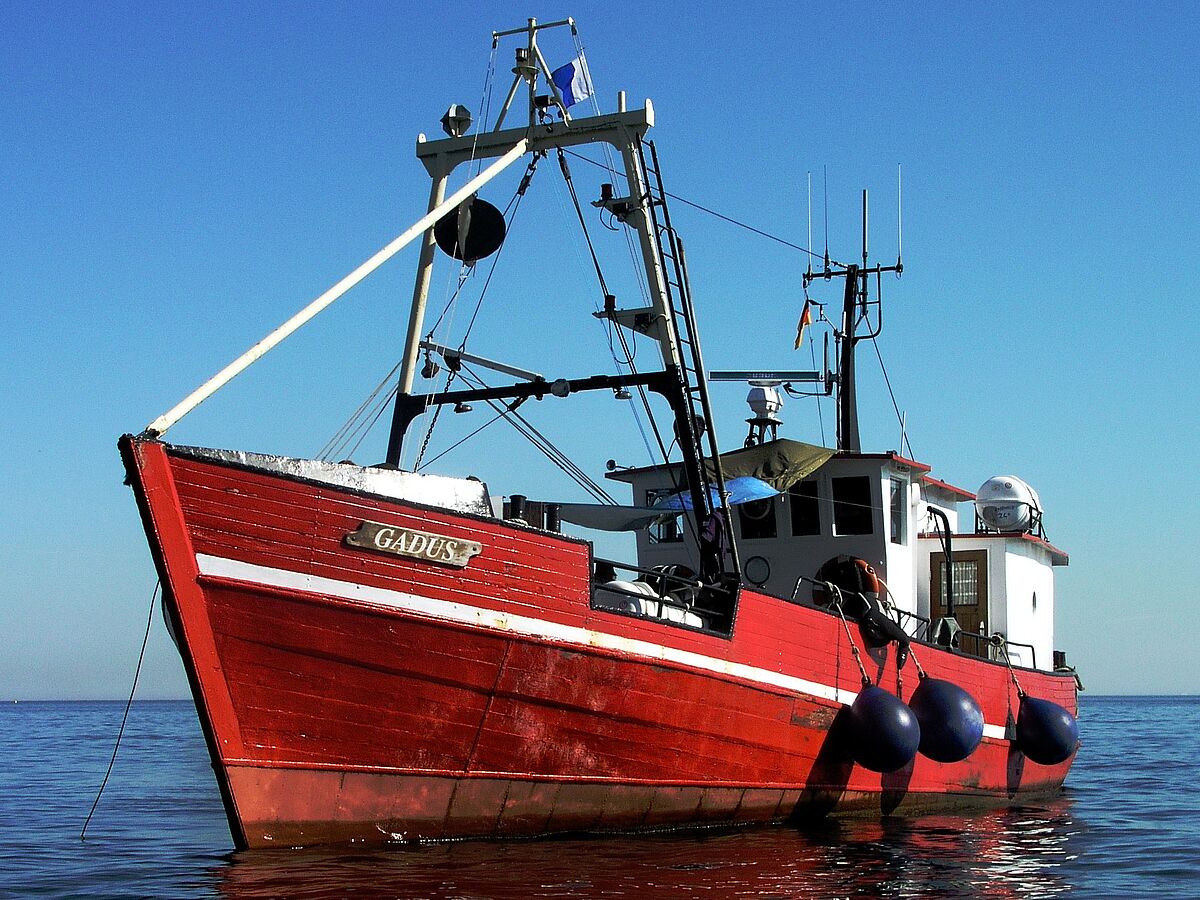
333	718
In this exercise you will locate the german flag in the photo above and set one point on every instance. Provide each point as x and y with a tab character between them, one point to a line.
805	320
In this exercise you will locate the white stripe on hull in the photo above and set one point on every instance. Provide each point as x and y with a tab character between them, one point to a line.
524	625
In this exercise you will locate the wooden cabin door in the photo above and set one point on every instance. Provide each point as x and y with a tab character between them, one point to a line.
970	596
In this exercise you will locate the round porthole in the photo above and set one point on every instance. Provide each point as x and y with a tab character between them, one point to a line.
757	570
757	510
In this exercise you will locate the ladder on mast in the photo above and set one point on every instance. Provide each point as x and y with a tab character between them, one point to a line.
692	385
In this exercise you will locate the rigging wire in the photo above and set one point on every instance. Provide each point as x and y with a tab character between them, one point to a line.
465	270
463	440
510	214
892	394
125	717
614	327
349	427
530	432
721	216
379	410
609	166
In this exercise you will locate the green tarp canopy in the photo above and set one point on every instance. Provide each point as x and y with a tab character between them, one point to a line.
780	463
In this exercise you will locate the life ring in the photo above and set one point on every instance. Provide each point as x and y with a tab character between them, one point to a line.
862	597
854	576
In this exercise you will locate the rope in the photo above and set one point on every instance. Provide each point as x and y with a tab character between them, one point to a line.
125	717
889	604
837	604
913	656
463	440
999	641
368	425
613	327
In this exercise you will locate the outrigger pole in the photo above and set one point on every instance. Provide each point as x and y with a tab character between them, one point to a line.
160	425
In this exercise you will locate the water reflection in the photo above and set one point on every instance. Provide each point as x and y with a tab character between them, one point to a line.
1014	852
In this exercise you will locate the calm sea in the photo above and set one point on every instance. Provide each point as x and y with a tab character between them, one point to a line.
1128	826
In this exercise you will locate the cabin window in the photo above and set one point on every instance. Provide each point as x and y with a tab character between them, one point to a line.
899	509
852	512
806	510
966	583
757	519
667	532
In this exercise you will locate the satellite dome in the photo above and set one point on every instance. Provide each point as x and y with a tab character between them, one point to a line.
1006	503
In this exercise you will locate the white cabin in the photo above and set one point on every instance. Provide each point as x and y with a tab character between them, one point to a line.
875	506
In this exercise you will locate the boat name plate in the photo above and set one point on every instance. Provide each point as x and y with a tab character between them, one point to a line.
435	548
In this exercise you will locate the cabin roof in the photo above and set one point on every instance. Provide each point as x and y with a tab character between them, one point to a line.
962	493
890	455
1058	557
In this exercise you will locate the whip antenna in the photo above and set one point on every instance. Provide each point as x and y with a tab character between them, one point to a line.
899	220
864	228
810	255
826	171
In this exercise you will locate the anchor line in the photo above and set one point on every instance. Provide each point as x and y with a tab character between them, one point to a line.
125	717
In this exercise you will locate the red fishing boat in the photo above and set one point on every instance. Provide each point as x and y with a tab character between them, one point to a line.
381	654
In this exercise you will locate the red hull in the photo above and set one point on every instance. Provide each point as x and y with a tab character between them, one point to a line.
351	695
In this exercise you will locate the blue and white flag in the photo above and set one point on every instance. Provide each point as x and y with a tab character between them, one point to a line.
573	81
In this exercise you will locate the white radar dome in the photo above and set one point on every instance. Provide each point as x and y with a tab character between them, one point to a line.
764	400
1007	503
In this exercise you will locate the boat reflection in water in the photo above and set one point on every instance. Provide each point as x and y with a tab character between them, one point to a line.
1013	852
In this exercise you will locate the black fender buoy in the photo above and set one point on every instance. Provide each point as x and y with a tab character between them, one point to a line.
1046	733
950	719
883	731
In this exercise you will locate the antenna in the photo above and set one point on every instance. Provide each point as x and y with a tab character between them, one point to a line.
826	170
864	228
810	223
856	305
899	220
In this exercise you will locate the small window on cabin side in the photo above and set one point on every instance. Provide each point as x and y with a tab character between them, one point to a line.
806	510
899	510
852	511
667	532
966	582
757	519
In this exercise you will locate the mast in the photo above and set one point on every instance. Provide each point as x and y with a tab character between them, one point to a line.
643	209
847	405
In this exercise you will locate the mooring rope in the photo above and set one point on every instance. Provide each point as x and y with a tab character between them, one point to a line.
125	717
999	641
837	604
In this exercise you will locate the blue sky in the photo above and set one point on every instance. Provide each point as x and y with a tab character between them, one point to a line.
177	179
